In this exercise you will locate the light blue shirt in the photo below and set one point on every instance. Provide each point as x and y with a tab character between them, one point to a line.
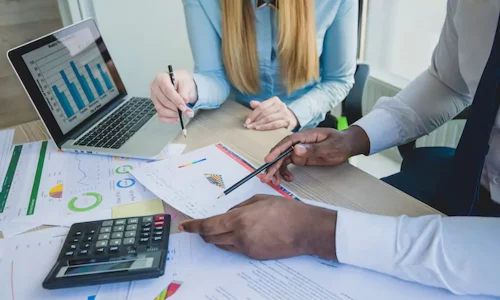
336	35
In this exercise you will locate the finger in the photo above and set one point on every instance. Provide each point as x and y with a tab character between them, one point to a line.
309	136
210	226
266	118
273	125
262	106
169	120
170	92
271	171
160	99
254	104
228	238
274	109
284	172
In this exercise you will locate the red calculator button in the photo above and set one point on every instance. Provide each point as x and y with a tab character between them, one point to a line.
159	218
161	223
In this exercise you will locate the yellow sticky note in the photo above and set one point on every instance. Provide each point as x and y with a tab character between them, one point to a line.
141	208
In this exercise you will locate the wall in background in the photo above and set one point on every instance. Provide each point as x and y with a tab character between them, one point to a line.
21	21
143	38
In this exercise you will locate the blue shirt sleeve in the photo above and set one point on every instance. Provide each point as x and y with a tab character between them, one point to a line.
337	67
209	75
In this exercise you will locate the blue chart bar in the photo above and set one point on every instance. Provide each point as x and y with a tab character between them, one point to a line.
73	91
95	81
64	102
83	83
105	77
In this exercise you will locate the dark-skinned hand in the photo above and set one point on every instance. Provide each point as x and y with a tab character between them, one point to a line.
270	227
318	147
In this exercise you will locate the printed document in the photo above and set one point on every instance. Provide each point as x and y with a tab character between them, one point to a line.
192	182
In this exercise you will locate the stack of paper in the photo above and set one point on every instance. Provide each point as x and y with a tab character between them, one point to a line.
45	186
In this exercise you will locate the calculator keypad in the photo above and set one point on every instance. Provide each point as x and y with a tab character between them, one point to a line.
116	236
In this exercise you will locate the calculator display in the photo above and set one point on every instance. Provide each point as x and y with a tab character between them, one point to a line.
104	267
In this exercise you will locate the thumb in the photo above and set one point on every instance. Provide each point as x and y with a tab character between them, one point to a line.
254	104
305	149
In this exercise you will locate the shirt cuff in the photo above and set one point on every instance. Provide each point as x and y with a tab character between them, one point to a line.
204	86
365	240
304	114
381	129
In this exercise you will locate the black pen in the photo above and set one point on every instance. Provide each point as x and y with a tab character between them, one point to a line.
256	172
172	78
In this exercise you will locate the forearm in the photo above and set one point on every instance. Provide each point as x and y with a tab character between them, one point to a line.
461	254
312	108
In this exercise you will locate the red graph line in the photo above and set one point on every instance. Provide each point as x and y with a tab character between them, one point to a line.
12	279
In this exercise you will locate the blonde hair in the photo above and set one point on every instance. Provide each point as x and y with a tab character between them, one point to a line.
297	51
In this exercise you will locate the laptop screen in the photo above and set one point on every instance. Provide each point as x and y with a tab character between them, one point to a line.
72	76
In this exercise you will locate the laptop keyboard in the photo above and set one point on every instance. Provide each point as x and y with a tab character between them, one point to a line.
119	127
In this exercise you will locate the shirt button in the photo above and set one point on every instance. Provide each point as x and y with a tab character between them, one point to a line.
496	180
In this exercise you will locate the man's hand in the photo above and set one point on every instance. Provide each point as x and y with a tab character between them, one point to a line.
270	227
319	147
270	114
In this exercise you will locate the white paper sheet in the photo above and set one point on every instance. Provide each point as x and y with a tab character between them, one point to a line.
46	186
192	182
27	260
240	278
187	252
6	137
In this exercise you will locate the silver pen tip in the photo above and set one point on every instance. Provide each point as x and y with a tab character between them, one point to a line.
184	132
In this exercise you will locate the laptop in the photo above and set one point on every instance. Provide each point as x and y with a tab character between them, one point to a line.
74	85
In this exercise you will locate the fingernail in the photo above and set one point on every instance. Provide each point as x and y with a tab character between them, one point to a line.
248	121
182	108
301	149
181	228
257	127
190	113
273	181
250	126
245	125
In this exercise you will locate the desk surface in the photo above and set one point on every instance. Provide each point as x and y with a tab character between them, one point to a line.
344	185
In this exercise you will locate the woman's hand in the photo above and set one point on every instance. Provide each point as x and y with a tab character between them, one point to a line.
167	98
270	114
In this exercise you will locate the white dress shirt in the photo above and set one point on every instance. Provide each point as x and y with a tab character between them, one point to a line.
461	254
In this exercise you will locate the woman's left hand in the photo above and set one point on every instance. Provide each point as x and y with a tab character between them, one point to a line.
270	114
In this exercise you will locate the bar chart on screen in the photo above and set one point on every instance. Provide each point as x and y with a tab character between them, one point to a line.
73	77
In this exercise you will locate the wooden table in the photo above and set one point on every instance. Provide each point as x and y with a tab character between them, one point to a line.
344	185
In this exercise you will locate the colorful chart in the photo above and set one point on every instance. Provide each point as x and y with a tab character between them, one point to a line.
123	169
216	180
125	183
57	191
94	196
169	291
192	163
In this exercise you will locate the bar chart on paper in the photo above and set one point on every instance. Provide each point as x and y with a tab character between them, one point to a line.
73	78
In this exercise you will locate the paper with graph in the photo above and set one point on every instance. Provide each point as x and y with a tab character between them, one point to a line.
192	182
23	271
44	184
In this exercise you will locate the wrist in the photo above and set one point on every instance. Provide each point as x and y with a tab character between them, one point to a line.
293	121
322	234
357	141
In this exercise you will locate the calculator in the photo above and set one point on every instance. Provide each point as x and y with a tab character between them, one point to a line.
110	251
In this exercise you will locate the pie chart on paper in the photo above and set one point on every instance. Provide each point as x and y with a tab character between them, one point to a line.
56	191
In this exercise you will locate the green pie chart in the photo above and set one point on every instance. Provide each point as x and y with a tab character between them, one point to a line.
96	197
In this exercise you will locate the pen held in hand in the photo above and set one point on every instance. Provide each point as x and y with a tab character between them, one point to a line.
172	78
256	172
